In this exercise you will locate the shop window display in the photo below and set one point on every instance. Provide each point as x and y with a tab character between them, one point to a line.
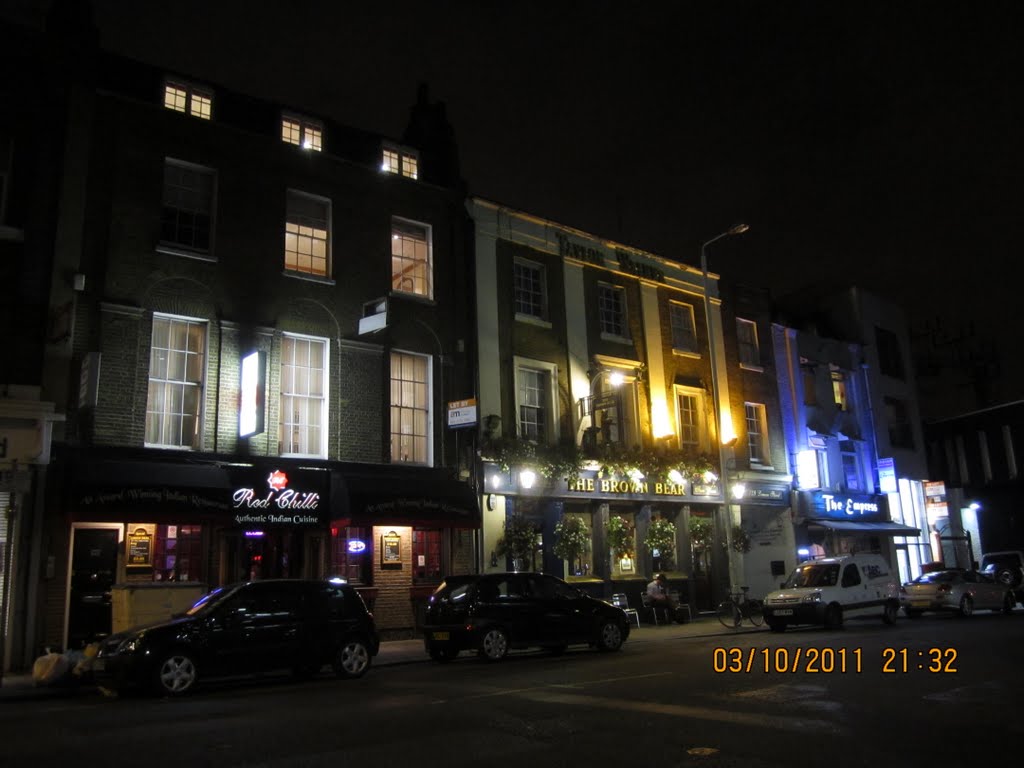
177	553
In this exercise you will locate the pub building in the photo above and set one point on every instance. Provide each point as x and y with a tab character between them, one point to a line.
829	523
149	535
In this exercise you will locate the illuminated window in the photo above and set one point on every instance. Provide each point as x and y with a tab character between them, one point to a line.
757	434
186	218
611	306
530	289
426	556
178	553
352	554
303	396
177	361
839	388
307	234
183	97
746	335
301	132
684	334
410	257
533	410
401	160
692	429
410	408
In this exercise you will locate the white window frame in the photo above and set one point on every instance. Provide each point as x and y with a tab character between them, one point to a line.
318	402
302	132
167	383
757	416
428	262
188	98
700	411
401	161
178	247
540	272
299	226
679	314
749	345
620	291
405	405
550	370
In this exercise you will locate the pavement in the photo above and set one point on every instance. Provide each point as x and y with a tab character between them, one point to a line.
20	686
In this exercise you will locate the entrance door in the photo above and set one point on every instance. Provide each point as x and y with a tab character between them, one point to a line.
93	569
270	555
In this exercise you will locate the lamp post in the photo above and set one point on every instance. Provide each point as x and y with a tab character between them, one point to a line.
737	229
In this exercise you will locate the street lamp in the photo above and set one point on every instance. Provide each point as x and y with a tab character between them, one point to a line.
738	229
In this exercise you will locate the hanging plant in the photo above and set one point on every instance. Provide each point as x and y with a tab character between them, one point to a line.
661	535
701	533
519	539
572	539
619	535
740	540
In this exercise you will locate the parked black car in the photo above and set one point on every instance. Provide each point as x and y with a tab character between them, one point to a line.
494	612
242	629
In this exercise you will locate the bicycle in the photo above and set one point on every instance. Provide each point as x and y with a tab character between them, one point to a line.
737	607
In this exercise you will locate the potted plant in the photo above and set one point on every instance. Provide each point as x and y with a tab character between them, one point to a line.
619	535
572	539
740	540
701	533
518	541
661	537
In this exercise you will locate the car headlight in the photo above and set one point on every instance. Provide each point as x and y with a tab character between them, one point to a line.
814	597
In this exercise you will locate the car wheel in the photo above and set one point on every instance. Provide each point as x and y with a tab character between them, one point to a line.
966	605
776	626
443	654
494	644
1005	576
1008	603
833	617
176	673
609	637
890	612
352	659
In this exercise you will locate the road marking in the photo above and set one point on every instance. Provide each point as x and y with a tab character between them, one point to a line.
752	719
548	686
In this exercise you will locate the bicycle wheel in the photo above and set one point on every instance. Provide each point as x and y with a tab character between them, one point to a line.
729	614
755	612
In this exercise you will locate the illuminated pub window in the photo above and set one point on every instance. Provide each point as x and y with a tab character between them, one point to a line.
178	553
426	555
352	554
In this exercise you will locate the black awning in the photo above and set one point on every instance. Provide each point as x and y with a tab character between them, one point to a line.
887	527
404	496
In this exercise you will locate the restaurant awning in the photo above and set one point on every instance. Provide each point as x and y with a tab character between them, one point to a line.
887	528
421	497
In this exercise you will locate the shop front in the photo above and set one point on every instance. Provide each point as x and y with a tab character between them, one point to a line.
635	528
148	533
833	523
765	538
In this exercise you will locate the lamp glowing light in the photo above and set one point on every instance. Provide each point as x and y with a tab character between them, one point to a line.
710	477
635	475
496	480
615	379
676	477
527	478
739	490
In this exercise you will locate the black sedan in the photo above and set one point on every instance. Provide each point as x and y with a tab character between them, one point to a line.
495	612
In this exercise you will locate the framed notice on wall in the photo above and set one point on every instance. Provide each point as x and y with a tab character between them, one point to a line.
391	550
139	547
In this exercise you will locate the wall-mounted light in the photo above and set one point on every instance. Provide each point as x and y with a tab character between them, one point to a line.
527	478
492	501
497	480
739	490
676	477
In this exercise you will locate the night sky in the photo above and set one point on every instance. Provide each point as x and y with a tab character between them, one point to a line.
870	142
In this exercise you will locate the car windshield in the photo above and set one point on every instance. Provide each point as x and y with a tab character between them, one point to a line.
209	600
814	575
451	592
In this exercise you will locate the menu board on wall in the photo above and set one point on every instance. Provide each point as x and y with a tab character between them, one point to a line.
139	548
391	550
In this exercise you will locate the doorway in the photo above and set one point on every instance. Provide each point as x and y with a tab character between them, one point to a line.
90	583
257	555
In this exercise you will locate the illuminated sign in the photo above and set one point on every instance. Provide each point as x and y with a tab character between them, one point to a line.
887	475
253	391
846	506
281	504
356	546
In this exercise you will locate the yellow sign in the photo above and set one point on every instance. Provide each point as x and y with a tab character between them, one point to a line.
140	548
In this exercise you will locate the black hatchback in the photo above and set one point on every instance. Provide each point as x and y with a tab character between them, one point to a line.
495	612
243	629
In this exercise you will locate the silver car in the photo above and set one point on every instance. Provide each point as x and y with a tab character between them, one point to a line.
958	590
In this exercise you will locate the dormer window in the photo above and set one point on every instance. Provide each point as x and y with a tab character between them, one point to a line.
400	160
180	96
302	132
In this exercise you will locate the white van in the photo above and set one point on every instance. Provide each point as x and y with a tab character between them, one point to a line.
828	590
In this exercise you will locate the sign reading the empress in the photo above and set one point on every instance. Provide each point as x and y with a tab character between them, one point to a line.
279	504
